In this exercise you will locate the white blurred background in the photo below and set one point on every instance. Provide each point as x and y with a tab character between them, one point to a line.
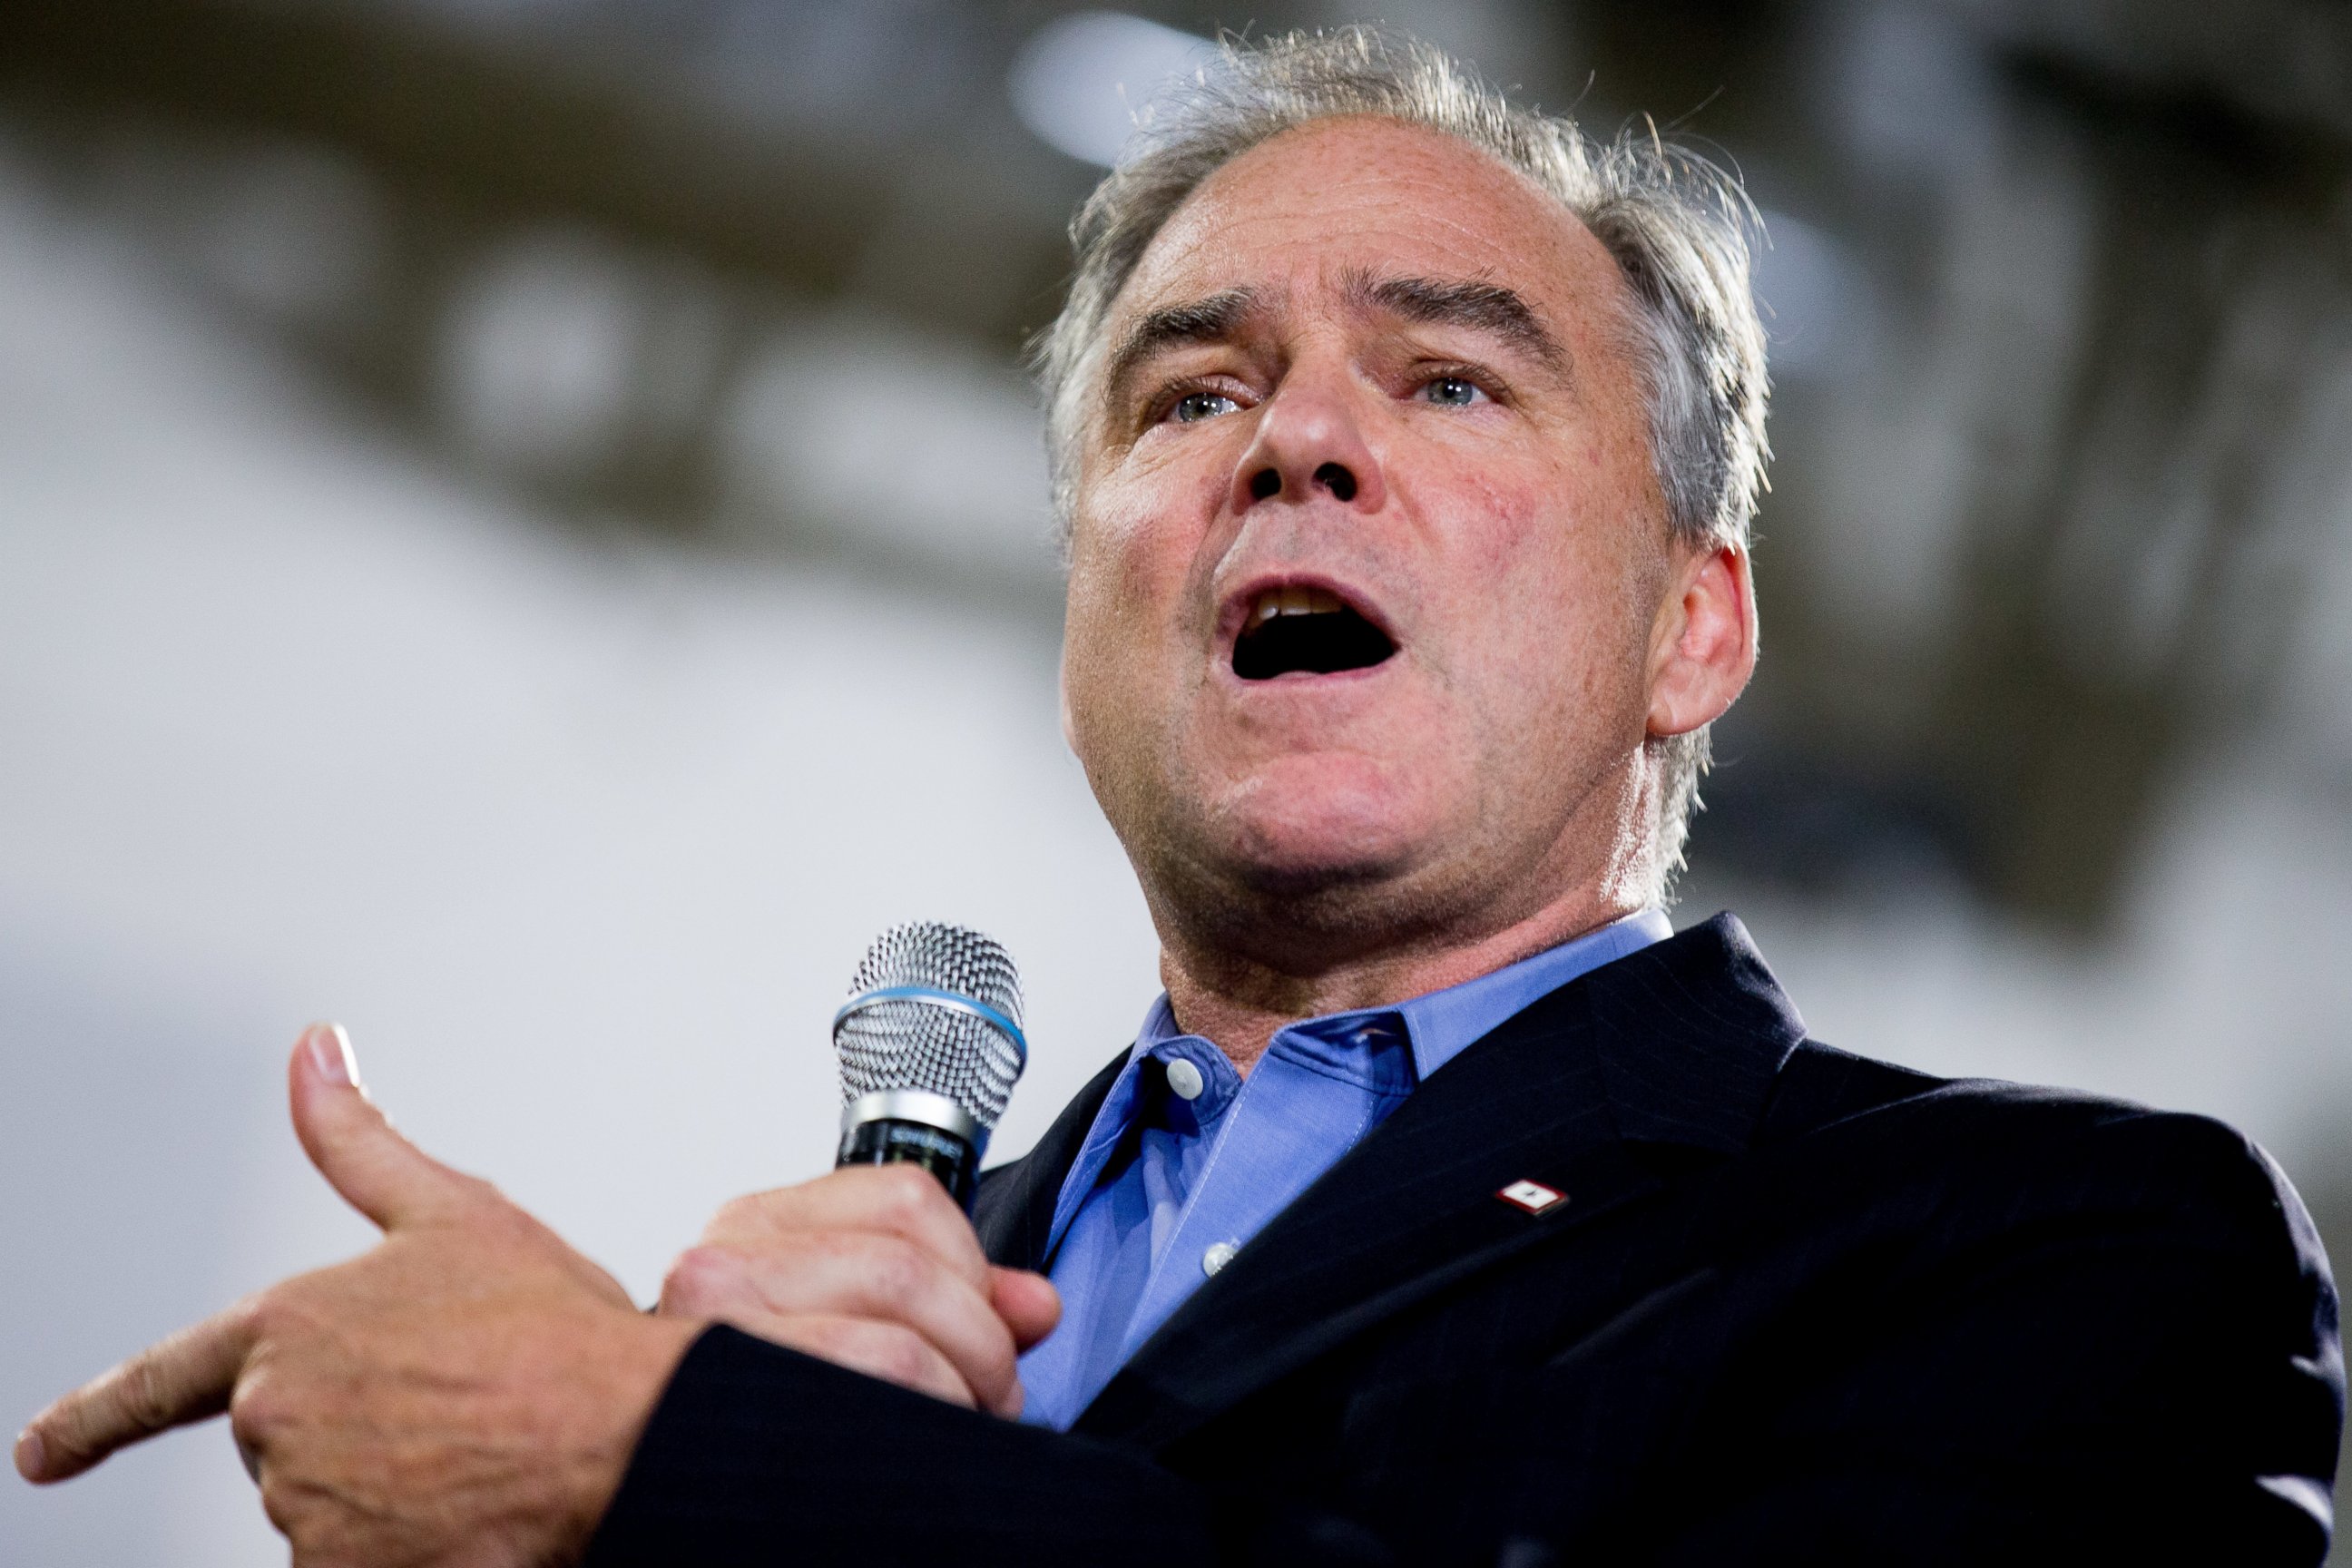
521	531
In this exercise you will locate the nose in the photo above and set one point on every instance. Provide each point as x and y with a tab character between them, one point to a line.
1310	441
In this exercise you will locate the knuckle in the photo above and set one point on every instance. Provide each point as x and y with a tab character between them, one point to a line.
990	1369
144	1398
701	1276
900	1355
898	1273
909	1191
264	1314
998	1366
879	1195
877	1349
264	1403
256	1409
295	1310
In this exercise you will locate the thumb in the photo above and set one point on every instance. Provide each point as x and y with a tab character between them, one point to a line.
378	1172
1027	1303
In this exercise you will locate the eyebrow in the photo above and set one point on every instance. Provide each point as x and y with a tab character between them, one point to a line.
1462	303
1210	320
1437	301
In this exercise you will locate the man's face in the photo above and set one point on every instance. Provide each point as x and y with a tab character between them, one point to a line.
1370	377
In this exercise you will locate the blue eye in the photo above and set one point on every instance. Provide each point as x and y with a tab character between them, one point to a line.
1453	391
1201	405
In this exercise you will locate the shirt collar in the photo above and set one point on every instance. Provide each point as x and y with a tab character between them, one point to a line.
1437	1026
1441	1025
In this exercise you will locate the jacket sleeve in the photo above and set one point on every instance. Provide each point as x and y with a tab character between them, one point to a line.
760	1455
2132	1357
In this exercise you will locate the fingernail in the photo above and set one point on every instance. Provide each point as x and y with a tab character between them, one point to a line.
330	1053
31	1454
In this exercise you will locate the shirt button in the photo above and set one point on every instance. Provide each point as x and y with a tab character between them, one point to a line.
1186	1081
1219	1254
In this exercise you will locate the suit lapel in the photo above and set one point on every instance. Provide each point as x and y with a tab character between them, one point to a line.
1013	1211
1677	1044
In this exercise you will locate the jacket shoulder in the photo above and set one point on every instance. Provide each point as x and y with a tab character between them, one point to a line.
2026	1147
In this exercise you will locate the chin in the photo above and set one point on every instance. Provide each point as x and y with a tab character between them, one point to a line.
1301	881
1303	902
1316	824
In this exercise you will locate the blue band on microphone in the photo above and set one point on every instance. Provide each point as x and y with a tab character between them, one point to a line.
931	996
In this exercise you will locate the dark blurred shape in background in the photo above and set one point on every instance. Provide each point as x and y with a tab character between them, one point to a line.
2058	296
2056	570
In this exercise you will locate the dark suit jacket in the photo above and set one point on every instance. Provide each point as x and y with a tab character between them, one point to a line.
1799	1307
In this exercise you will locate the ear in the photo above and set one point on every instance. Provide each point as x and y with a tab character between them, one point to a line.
1703	645
1062	698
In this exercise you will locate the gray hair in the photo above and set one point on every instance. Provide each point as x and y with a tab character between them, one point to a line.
1676	224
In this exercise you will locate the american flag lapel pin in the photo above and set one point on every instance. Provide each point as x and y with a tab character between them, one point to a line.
1532	1196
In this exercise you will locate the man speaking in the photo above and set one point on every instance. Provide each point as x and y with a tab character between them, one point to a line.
1449	1207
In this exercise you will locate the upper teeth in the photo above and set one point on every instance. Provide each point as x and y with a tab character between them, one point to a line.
1292	601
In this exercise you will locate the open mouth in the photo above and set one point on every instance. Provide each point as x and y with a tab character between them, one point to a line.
1305	630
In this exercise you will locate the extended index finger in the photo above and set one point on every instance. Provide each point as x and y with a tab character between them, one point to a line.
187	1377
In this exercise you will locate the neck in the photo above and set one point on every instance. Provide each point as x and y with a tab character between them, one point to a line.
1237	1002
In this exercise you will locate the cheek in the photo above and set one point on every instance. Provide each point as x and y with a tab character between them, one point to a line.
1542	573
1145	548
1134	554
1175	475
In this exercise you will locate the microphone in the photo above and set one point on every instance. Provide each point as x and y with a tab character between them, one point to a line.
930	1046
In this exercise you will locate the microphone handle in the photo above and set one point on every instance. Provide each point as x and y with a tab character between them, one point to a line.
887	1141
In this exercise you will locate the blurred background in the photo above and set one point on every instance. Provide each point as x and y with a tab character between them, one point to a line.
521	530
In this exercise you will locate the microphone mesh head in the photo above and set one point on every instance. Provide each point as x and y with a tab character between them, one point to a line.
911	1043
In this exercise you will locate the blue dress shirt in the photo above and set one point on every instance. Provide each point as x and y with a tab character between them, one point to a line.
1187	1160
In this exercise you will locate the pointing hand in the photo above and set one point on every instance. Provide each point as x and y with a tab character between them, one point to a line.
465	1393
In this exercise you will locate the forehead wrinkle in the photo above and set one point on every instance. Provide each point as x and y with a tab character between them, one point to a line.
1213	318
1471	303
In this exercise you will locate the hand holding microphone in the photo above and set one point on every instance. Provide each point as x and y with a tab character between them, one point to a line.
875	1267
